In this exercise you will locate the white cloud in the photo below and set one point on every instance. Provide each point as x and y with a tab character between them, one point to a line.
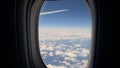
77	45
70	54
66	63
53	66
57	52
52	12
71	59
80	64
58	47
44	47
43	53
84	52
84	62
51	54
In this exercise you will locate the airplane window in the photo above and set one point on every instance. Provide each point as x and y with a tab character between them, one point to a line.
65	30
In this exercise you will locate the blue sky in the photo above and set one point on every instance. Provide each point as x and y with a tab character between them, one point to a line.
65	14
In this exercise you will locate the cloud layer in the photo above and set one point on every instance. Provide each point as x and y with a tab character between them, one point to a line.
64	49
53	12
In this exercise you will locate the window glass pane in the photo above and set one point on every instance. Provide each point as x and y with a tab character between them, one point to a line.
65	33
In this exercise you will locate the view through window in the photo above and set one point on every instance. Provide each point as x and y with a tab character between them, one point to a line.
65	33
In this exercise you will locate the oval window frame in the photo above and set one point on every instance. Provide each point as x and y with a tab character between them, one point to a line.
34	51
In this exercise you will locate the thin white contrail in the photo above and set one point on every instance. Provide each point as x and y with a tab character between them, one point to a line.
52	12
